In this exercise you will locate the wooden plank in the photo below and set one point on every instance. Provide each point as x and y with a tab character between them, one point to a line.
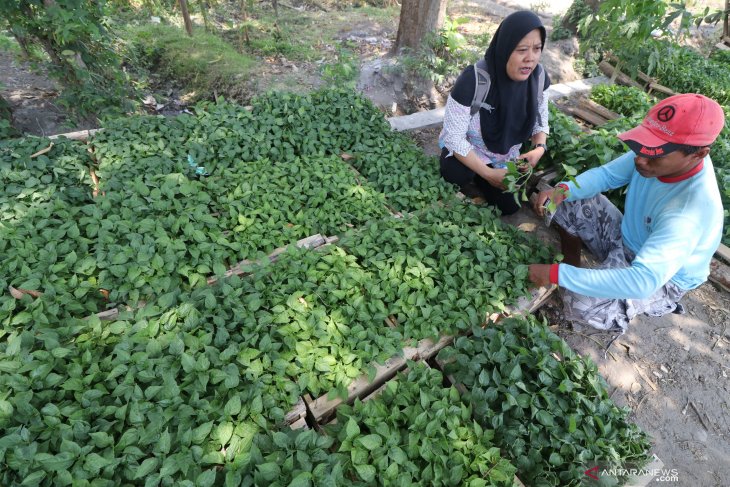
536	177
585	115
722	46
723	253
242	268
720	274
604	112
113	313
617	75
538	297
427	348
380	389
661	89
300	424
646	79
80	135
545	181
322	408
108	315
298	411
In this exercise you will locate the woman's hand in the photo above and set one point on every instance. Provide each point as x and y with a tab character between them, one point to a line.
532	157
495	177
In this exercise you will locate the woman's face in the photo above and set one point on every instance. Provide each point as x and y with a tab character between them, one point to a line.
525	56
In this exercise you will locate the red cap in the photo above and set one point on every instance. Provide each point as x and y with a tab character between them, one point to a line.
679	120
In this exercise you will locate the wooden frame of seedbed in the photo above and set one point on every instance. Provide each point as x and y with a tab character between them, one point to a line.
321	409
649	85
724	43
312	242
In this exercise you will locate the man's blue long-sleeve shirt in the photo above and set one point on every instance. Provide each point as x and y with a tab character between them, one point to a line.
674	228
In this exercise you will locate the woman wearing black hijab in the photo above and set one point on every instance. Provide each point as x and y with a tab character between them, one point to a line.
475	148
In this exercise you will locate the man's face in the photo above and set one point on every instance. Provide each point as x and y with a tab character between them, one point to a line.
674	164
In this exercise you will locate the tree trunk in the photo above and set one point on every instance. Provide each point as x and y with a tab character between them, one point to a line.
186	17
244	25
418	18
204	12
22	40
576	13
5	111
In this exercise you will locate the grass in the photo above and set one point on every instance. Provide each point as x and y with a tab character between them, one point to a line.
218	63
205	62
305	36
8	43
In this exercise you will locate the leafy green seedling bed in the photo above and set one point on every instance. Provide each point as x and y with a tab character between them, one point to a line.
375	444
227	360
549	408
416	431
28	180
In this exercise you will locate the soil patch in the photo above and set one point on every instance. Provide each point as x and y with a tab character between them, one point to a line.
32	98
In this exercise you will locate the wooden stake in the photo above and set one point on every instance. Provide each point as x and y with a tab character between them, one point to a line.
42	151
186	17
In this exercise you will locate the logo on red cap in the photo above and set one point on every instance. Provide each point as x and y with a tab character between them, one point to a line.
666	113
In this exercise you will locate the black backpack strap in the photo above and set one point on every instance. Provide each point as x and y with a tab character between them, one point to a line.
481	88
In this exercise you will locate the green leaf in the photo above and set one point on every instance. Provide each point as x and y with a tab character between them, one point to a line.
555	459
206	479
145	468
95	462
351	429
371	442
233	406
60	461
545	418
224	432
301	480
281	439
164	443
269	471
6	409
516	373
101	439
366	472
188	363
34	478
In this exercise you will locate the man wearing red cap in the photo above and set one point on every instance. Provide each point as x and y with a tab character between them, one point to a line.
662	246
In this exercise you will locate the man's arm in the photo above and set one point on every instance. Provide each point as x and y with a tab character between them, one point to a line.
658	260
612	175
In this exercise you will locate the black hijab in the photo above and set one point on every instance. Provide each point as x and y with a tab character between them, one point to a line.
515	102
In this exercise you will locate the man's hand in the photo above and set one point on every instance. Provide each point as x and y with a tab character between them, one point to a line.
556	195
539	274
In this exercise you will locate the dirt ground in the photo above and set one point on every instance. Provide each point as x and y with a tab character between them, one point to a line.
672	372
